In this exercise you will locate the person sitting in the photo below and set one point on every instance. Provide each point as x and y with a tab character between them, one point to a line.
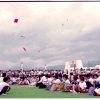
25	82
74	84
31	80
66	83
35	81
49	82
96	81
44	82
55	83
82	85
13	79
60	85
89	81
4	86
1	78
42	78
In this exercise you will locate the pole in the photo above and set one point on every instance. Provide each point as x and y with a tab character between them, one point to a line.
22	66
88	64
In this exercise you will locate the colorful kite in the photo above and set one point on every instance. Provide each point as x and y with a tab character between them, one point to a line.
22	36
15	20
24	49
62	24
44	64
38	50
21	62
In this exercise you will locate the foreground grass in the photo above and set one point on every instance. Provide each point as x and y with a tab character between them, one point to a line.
33	92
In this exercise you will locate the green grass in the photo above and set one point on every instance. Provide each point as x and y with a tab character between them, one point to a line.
33	92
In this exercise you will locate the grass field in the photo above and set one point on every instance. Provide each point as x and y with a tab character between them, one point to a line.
33	92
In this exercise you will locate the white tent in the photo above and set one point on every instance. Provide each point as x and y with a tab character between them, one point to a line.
79	64
97	66
67	67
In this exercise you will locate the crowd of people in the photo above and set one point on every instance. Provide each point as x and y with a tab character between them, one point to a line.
75	81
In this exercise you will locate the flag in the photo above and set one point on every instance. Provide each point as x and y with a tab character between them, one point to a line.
21	66
45	66
72	62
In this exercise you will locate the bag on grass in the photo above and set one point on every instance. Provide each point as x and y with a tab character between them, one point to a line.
97	91
91	91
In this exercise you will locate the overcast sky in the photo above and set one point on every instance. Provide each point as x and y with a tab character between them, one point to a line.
41	25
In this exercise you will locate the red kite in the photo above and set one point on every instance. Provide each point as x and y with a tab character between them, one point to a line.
15	20
24	49
23	36
44	64
21	62
38	50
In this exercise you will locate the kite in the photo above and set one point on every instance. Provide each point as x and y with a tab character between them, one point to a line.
24	49
44	64
21	62
62	24
67	19
38	50
23	36
15	20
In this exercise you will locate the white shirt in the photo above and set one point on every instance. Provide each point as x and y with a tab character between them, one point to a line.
1	79
42	79
98	80
57	81
82	85
67	82
49	81
45	81
3	84
35	73
78	80
91	80
27	81
13	79
39	72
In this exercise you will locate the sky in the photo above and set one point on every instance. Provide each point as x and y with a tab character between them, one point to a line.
61	31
